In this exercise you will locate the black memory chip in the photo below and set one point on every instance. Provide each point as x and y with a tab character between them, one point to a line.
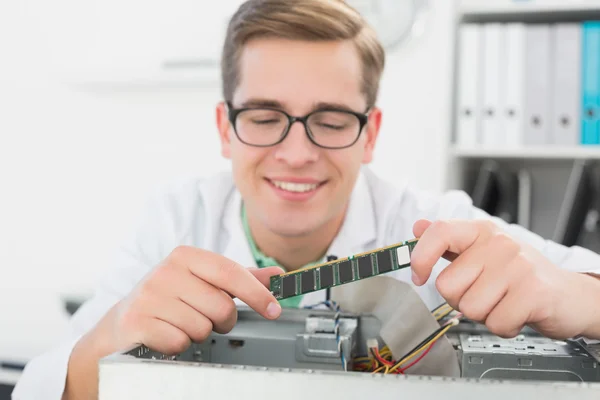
384	261
345	270
365	267
326	276
288	285
308	281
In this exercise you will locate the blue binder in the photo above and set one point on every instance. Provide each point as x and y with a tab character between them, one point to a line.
590	84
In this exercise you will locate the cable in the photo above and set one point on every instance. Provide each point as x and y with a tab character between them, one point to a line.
438	307
336	329
428	339
379	358
419	358
332	305
444	313
379	369
428	342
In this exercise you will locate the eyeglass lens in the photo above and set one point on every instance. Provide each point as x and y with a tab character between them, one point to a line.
263	127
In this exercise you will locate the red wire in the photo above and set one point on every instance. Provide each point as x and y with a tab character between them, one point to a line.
384	361
418	359
381	359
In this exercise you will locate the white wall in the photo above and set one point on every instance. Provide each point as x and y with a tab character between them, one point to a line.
416	101
75	163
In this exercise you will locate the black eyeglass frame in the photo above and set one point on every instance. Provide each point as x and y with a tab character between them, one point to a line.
232	114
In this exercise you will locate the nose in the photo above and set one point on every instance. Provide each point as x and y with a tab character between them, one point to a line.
297	150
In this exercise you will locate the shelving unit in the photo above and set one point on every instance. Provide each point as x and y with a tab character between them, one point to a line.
539	153
508	7
549	167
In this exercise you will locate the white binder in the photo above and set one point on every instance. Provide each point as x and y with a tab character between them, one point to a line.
492	129
566	83
537	85
515	84
468	101
524	203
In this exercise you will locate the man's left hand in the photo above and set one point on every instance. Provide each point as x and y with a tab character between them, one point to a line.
506	284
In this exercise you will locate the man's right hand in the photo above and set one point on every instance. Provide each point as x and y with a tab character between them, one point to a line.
185	298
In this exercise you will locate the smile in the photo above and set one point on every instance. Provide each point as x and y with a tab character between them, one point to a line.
295	187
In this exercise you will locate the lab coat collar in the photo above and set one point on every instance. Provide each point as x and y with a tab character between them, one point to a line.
357	234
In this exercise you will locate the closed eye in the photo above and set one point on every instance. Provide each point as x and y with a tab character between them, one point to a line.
330	126
265	121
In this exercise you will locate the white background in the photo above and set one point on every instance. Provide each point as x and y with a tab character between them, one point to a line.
75	163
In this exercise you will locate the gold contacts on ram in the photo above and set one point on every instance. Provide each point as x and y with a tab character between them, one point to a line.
342	271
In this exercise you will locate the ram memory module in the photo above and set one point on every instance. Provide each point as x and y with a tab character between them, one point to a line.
342	271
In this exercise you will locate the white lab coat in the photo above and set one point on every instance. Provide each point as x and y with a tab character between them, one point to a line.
205	213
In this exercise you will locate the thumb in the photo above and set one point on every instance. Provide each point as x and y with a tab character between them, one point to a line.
420	227
264	274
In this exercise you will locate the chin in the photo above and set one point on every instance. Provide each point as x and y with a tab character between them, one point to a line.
285	226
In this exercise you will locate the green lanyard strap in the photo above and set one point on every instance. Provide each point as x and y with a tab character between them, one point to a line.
263	260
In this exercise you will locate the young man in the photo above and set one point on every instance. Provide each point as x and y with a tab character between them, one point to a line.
298	121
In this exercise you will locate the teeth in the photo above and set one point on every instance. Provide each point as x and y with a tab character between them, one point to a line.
295	187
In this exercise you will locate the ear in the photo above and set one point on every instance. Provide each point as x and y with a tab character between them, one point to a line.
224	127
371	132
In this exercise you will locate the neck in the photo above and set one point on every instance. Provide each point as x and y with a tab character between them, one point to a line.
292	253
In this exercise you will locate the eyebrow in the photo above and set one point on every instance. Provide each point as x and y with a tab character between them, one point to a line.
258	102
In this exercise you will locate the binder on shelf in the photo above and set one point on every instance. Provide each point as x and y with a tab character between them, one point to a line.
508	208
566	86
537	85
469	73
493	85
590	83
525	192
578	200
496	192
486	191
515	82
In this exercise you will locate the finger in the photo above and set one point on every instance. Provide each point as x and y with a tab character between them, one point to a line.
454	280
509	317
163	337
228	275
419	228
487	290
179	314
439	237
264	274
209	301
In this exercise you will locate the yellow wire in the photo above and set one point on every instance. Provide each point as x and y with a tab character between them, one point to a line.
385	352
445	305
442	310
378	369
440	316
411	356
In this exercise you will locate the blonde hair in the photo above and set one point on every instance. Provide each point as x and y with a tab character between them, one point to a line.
312	20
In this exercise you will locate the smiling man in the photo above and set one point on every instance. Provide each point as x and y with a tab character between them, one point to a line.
299	121
294	173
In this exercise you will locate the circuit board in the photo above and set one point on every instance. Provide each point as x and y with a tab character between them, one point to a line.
343	270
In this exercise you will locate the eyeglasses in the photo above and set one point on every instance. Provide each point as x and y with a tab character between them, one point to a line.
326	128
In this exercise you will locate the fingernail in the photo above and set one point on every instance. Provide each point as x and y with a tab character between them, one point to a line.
415	279
273	310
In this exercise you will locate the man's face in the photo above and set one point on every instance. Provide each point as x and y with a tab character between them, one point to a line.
295	187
